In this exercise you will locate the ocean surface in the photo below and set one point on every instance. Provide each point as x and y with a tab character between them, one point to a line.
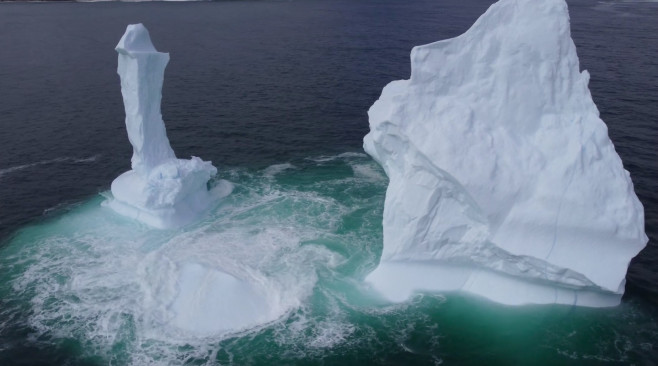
275	94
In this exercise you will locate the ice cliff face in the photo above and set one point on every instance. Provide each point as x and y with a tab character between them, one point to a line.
503	181
160	190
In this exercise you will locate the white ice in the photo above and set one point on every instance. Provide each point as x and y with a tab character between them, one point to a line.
160	190
503	180
214	302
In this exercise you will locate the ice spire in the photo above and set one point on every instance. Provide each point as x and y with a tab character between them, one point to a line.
141	68
160	190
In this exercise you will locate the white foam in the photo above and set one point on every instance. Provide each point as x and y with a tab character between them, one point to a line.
123	290
275	169
328	334
368	172
345	155
250	264
65	159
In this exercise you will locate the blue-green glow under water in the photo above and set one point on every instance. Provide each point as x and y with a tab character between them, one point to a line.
88	285
274	93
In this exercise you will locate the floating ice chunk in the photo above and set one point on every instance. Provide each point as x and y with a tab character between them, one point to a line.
160	190
503	181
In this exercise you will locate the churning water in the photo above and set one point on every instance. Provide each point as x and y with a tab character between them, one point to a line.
275	94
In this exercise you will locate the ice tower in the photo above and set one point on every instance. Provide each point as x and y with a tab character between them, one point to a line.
503	181
160	190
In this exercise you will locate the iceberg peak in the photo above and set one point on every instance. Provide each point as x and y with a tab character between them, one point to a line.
136	39
503	180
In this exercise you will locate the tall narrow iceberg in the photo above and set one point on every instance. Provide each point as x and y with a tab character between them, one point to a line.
160	190
503	180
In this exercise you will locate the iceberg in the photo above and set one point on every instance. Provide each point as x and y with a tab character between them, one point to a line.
160	190
503	182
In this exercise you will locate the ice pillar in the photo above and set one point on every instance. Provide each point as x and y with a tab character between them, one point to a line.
141	68
160	190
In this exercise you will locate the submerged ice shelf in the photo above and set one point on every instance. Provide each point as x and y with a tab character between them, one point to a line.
503	180
160	190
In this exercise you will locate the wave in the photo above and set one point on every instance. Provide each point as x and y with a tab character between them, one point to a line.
345	155
275	169
7	171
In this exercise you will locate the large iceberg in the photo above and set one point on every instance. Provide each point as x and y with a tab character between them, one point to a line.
503	180
160	190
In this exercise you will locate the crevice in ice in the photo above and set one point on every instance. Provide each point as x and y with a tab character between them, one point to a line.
557	215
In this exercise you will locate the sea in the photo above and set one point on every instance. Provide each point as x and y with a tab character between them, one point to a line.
275	94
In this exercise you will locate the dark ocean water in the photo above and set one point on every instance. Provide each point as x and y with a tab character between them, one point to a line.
276	94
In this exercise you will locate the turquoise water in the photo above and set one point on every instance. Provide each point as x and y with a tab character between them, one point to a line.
275	94
85	287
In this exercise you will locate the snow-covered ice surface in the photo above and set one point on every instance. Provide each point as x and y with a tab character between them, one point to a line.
160	190
503	180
